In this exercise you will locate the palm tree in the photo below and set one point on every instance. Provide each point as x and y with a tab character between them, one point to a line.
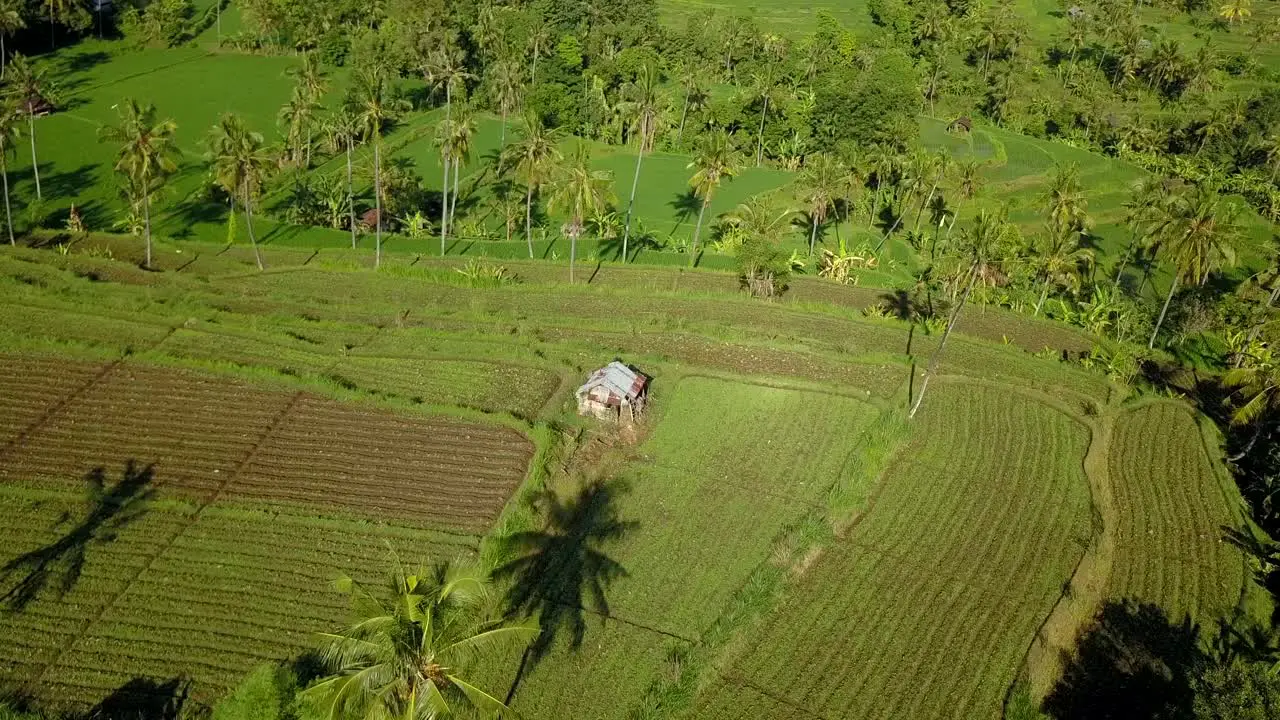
343	129
11	22
29	88
374	105
822	182
1259	386
1064	201
533	158
446	69
539	42
1141	211
762	88
715	162
580	191
9	133
1166	64
1198	237
643	104
312	84
146	156
60	11
241	161
407	651
1234	10
444	141
295	118
1060	263
983	242
461	131
941	164
695	97
508	86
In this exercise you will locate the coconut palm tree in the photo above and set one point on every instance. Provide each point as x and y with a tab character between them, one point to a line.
461	131
146	156
1198	237
409	649
533	157
312	84
1141	211
763	89
715	162
1064	201
1060	262
241	161
61	11
696	97
374	105
1234	10
983	243
28	86
10	130
295	119
643	105
444	141
1258	389
508	87
821	180
446	69
580	191
342	129
539	42
11	21
941	165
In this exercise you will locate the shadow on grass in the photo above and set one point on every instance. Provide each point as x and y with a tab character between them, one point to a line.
110	508
562	571
1134	662
145	698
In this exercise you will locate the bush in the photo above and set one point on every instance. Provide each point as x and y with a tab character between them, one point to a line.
268	693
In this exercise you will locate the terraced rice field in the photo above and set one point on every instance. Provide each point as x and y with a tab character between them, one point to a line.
206	593
1173	508
210	438
925	609
709	501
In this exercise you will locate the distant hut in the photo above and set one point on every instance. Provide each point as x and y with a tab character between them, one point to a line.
369	220
962	124
614	392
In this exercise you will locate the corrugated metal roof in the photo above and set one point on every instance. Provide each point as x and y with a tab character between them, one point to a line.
618	379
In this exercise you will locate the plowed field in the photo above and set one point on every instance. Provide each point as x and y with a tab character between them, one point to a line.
210	438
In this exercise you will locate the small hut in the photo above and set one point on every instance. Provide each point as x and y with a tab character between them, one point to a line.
614	392
369	220
962	125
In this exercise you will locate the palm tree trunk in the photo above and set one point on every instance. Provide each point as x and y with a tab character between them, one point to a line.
1164	310
4	65
920	212
1124	259
1044	294
377	200
573	252
697	229
937	354
684	113
813	235
351	196
444	205
8	213
35	166
502	144
146	224
528	219
248	216
760	134
453	204
635	182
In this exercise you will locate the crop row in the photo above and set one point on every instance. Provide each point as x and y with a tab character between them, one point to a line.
1172	509
24	401
962	556
244	351
489	386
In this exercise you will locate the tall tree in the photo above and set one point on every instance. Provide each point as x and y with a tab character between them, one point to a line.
10	130
695	97
1141	211
343	130
446	69
508	88
580	191
375	104
146	156
983	242
533	157
461	132
1060	262
643	106
65	12
444	141
29	87
763	88
295	121
11	21
241	161
821	181
408	652
312	84
715	162
1198	236
1064	201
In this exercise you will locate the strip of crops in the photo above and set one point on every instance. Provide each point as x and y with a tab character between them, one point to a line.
199	345
161	597
31	387
926	609
489	386
706	510
1172	509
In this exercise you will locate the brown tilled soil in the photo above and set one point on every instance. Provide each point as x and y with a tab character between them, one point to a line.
213	438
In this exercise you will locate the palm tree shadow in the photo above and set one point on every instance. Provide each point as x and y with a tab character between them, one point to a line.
686	204
1133	662
145	698
561	571
109	509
